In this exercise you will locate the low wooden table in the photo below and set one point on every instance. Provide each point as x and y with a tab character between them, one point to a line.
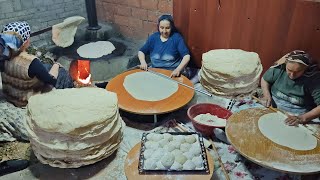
132	105
132	172
243	133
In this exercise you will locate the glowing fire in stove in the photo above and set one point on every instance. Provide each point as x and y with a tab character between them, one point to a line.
80	72
87	80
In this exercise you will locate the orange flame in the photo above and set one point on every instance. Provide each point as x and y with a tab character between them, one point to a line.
87	80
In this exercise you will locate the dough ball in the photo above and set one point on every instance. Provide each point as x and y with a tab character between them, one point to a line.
157	155
196	145
185	147
176	166
151	145
160	166
148	153
189	165
179	138
174	144
163	142
150	136
170	147
190	139
180	158
176	152
157	137
150	164
167	136
195	150
167	160
198	161
188	154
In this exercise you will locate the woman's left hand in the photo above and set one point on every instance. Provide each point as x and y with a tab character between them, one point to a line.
175	73
294	120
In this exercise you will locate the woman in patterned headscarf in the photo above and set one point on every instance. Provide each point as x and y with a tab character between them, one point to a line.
23	75
293	85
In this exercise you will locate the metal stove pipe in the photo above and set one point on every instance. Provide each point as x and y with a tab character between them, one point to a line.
92	15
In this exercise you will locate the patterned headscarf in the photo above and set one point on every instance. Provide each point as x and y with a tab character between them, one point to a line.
299	56
20	29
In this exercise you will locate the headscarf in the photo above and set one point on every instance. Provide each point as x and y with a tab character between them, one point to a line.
15	34
300	57
12	38
20	29
169	18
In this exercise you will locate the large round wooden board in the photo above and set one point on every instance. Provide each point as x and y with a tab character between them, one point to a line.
132	172
243	133
132	105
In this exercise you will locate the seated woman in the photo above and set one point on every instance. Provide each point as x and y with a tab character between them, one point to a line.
23	75
293	85
166	48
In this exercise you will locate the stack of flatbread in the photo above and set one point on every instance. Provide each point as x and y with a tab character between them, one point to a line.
230	72
69	128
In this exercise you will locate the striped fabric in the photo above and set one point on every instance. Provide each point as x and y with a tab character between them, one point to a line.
17	85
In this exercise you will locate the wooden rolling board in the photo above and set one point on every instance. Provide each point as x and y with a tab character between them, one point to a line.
243	133
132	105
132	172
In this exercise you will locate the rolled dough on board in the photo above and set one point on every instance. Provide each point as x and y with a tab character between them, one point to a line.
149	87
273	127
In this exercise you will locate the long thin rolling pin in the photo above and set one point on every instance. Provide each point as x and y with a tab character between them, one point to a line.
162	75
270	107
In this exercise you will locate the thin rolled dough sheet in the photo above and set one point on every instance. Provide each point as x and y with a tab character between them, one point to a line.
273	127
96	49
149	87
63	33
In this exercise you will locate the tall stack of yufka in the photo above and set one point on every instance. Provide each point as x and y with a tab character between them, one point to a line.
230	72
69	128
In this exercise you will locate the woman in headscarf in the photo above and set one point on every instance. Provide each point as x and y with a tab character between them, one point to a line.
166	48
23	75
293	85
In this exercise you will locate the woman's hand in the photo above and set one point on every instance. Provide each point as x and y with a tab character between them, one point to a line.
294	120
143	66
266	101
175	73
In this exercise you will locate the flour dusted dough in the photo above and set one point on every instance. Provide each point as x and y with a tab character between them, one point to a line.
176	152
273	127
149	87
63	33
167	160
150	164
95	49
230	72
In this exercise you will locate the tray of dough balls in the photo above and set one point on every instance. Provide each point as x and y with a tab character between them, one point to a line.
173	151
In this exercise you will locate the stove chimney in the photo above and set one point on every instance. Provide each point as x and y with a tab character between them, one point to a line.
92	15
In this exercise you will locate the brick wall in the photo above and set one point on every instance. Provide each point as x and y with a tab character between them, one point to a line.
40	14
135	18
